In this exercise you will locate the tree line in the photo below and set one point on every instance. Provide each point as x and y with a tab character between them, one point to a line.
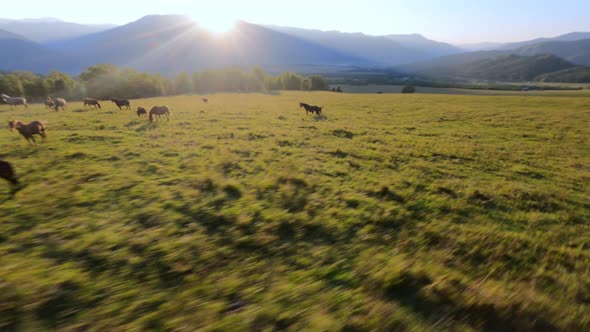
105	80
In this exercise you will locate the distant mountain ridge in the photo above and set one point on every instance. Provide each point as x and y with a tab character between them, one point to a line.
50	29
385	50
169	44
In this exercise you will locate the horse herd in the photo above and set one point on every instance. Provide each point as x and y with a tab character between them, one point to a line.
27	130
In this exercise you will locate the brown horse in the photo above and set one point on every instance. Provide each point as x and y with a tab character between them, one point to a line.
205	100
141	111
28	130
311	109
91	102
121	102
159	110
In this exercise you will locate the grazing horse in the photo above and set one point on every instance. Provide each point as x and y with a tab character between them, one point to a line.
12	101
59	102
91	102
121	102
141	111
7	172
205	100
159	110
28	130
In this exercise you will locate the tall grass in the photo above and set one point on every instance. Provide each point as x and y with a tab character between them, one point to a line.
390	212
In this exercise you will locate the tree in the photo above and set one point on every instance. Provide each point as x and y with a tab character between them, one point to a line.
317	82
409	89
183	83
291	81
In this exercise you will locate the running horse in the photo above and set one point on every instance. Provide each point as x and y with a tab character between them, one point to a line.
12	101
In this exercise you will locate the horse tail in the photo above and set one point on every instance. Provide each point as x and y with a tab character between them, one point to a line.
97	103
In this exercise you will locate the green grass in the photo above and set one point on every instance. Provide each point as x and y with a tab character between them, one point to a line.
374	88
391	212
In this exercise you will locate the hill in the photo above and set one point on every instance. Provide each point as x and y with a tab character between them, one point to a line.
571	75
389	212
48	30
18	53
386	50
577	52
193	48
420	43
572	36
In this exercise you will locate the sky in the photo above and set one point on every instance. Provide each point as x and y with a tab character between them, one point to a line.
454	21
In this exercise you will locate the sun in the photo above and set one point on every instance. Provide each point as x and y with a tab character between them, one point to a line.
217	24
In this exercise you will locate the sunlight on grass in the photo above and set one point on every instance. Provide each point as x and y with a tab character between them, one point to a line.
390	212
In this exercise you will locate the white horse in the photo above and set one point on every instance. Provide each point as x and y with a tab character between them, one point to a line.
14	100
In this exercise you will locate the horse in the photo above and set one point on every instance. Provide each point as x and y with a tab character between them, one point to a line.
308	108
59	102
49	103
141	111
7	172
205	100
12	101
311	109
121	102
317	110
28	130
159	110
91	102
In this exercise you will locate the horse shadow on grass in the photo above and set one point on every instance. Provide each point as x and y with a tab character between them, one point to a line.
320	117
81	110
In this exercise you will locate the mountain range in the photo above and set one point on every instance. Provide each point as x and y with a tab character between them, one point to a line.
169	44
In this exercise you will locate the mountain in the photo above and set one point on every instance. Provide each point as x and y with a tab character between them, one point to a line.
418	42
571	75
577	51
49	29
485	46
572	36
18	53
9	35
169	44
378	49
493	66
387	50
448	65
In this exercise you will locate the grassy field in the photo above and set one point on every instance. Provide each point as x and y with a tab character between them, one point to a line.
390	212
374	88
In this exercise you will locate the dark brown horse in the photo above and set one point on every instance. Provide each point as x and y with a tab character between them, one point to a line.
205	100
311	109
28	129
141	111
91	102
121	102
7	172
159	111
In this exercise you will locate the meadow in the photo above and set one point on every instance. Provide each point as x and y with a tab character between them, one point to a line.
389	212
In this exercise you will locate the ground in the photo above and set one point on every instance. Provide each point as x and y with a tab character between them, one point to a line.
388	212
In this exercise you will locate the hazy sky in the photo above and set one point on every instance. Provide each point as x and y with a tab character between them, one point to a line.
457	21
